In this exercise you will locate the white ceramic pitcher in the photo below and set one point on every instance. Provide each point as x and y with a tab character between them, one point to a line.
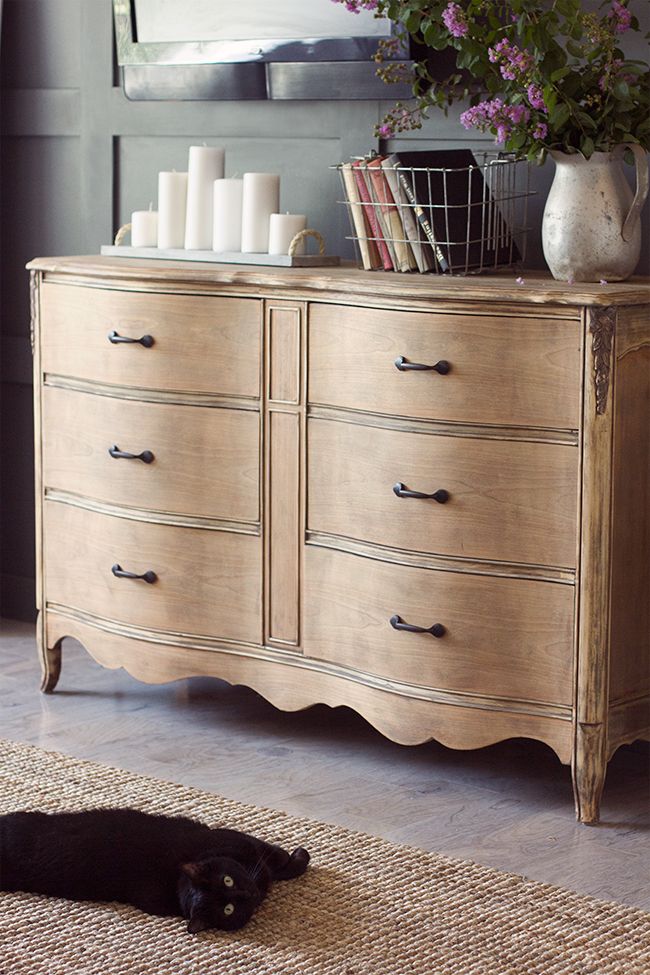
591	228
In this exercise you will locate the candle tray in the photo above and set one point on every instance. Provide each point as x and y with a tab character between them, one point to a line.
228	257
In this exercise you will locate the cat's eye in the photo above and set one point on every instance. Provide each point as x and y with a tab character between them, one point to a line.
229	882
229	909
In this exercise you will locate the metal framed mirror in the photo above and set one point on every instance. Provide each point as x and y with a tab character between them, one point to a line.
216	49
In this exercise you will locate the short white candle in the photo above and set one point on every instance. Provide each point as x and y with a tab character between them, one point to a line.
261	198
172	203
227	215
144	228
206	164
283	228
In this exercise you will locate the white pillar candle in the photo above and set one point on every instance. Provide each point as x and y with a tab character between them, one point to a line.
205	165
144	228
172	203
283	228
226	234
261	198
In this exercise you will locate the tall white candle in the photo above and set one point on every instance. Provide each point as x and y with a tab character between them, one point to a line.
261	198
172	202
206	164
144	228
227	215
283	227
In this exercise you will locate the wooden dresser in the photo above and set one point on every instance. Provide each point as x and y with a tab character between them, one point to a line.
424	498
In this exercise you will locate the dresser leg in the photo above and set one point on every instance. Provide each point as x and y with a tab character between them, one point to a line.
50	658
589	769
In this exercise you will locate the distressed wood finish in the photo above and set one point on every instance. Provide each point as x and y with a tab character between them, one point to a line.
284	479
206	461
510	638
282	555
514	502
534	363
629	669
203	344
207	581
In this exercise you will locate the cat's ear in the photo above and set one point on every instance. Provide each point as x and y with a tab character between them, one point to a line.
196	924
195	871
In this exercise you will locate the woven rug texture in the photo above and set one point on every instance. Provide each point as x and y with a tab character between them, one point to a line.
364	907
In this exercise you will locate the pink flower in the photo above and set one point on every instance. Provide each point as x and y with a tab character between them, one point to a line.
514	64
356	6
536	98
455	20
520	281
385	131
540	131
497	116
621	17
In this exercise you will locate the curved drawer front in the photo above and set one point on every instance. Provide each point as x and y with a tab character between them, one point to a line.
507	638
203	344
208	582
508	501
504	371
205	461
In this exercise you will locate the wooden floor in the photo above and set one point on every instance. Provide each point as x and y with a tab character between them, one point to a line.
509	806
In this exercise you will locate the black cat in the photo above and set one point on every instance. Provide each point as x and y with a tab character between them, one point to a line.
214	878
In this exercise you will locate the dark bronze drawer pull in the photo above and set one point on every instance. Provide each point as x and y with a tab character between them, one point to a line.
146	456
441	496
146	340
436	629
148	576
442	367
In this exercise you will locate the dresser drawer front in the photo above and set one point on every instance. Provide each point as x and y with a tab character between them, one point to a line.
205	461
503	371
208	582
201	344
507	638
508	501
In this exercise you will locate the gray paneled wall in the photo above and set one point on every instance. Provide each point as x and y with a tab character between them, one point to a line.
78	157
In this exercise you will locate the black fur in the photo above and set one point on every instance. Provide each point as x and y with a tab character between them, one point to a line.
214	878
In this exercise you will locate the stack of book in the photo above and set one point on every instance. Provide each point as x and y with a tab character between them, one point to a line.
425	211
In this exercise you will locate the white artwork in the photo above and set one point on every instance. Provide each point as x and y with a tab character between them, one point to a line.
223	20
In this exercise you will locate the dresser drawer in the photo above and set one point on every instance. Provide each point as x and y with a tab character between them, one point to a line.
507	501
507	638
208	582
203	344
504	371
205	461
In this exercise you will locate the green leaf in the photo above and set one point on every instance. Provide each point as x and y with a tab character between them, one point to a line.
587	146
561	73
574	49
560	115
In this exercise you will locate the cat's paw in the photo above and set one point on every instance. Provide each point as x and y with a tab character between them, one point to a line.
298	861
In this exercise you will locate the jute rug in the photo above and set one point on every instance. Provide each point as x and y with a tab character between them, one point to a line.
365	906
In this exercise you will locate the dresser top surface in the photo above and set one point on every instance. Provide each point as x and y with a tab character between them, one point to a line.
536	286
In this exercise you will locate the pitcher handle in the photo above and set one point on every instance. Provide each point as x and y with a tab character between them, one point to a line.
642	182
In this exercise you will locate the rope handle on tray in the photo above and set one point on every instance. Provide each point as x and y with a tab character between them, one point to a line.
121	234
302	235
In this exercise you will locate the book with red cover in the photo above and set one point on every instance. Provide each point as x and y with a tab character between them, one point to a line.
368	250
358	166
389	217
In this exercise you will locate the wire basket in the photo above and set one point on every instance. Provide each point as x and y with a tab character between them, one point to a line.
446	220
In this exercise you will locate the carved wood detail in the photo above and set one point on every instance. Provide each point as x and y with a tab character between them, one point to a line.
33	306
602	325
